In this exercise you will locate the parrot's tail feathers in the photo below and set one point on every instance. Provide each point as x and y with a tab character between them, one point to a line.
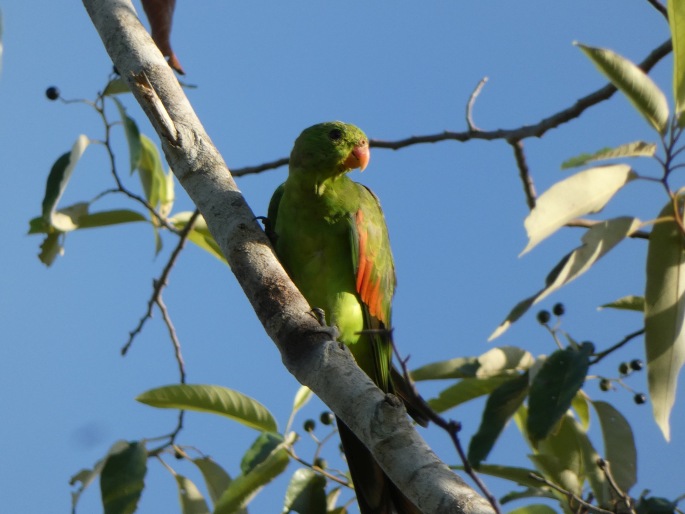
376	493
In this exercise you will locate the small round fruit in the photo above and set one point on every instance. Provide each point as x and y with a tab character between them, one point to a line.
52	93
623	368
605	384
326	418
558	309
321	463
640	398
636	365
543	317
309	425
588	346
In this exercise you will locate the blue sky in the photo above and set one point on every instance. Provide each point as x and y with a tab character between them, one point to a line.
265	71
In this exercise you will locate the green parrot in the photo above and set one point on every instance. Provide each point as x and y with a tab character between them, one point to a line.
330	235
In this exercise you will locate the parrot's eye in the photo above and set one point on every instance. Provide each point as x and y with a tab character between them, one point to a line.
335	134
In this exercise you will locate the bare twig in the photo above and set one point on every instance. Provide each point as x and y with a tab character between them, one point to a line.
524	173
174	338
161	282
569	494
659	7
606	469
469	106
625	340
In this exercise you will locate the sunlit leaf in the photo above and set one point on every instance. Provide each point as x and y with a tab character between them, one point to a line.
303	395
465	390
69	218
554	387
135	147
676	20
619	445
634	83
597	241
664	316
627	303
50	248
122	479
216	478
191	499
635	149
583	193
107	218
59	176
502	403
306	493
212	399
504	360
152	176
247	485
199	235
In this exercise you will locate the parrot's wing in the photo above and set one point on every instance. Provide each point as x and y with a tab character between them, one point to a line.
272	213
375	278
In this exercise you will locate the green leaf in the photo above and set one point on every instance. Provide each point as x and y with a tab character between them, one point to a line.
627	303
500	407
151	173
50	248
553	388
59	176
597	242
69	218
302	397
122	479
306	493
676	20
504	360
514	474
247	485
465	390
260	450
116	86
191	499
580	405
560	457
535	508
634	83
664	314
199	235
135	146
107	218
212	399
583	193
619	445
635	149
216	478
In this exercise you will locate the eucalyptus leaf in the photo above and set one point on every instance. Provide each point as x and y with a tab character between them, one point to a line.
664	315
635	149
619	445
59	176
122	479
212	399
634	83
190	497
676	20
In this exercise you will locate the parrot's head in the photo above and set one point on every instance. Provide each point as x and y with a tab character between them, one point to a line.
331	149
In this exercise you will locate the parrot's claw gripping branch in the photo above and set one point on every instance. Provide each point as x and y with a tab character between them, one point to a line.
319	315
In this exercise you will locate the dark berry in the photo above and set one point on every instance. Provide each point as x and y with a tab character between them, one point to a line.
309	425
605	384
558	309
636	365
544	317
326	418
588	346
178	455
623	368
52	93
321	463
640	398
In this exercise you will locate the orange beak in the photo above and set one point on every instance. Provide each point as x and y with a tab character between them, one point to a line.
359	157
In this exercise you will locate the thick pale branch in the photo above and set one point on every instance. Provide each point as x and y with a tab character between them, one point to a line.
306	350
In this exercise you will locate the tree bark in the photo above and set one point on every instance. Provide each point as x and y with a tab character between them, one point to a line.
307	351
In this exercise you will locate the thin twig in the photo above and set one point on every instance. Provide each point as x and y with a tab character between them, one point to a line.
625	340
174	338
161	282
469	106
524	173
659	7
606	469
569	494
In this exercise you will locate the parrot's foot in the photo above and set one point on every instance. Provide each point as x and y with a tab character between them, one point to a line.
320	316
268	228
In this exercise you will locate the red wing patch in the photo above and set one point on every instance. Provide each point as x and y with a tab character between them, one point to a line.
368	283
